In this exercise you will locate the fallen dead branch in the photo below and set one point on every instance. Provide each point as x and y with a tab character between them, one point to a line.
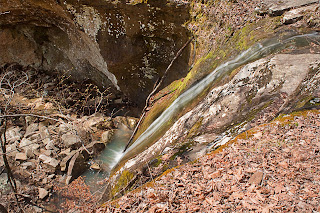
155	88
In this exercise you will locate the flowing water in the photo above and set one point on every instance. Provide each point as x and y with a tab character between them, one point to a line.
114	154
159	126
107	159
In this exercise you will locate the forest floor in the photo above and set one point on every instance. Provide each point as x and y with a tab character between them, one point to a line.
273	167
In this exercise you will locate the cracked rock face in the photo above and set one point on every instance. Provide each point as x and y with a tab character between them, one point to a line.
256	94
125	46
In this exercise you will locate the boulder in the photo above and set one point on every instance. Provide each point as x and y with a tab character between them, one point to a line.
95	147
65	161
76	167
71	140
107	136
108	47
132	122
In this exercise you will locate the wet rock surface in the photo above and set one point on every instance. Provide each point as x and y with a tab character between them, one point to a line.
257	93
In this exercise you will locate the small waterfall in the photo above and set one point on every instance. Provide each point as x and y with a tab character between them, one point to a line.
113	154
159	126
107	159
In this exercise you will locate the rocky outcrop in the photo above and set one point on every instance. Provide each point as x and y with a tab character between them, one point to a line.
279	7
257	93
246	97
126	46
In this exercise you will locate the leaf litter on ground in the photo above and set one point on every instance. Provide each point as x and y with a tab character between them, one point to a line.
276	169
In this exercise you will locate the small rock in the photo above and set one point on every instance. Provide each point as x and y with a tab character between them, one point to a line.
43	193
256	178
49	161
29	153
45	180
65	152
25	144
63	128
118	101
31	129
46	152
46	141
71	140
106	136
95	166
50	145
29	119
35	136
44	132
27	165
278	7
132	122
215	174
51	176
12	149
21	156
37	209
91	123
13	134
23	173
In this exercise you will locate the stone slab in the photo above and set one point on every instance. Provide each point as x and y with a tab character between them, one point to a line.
277	7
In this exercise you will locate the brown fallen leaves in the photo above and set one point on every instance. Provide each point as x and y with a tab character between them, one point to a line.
275	170
75	197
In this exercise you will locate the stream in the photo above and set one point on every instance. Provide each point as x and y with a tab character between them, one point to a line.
113	154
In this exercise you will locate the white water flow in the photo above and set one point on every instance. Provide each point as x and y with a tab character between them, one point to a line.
107	159
255	52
